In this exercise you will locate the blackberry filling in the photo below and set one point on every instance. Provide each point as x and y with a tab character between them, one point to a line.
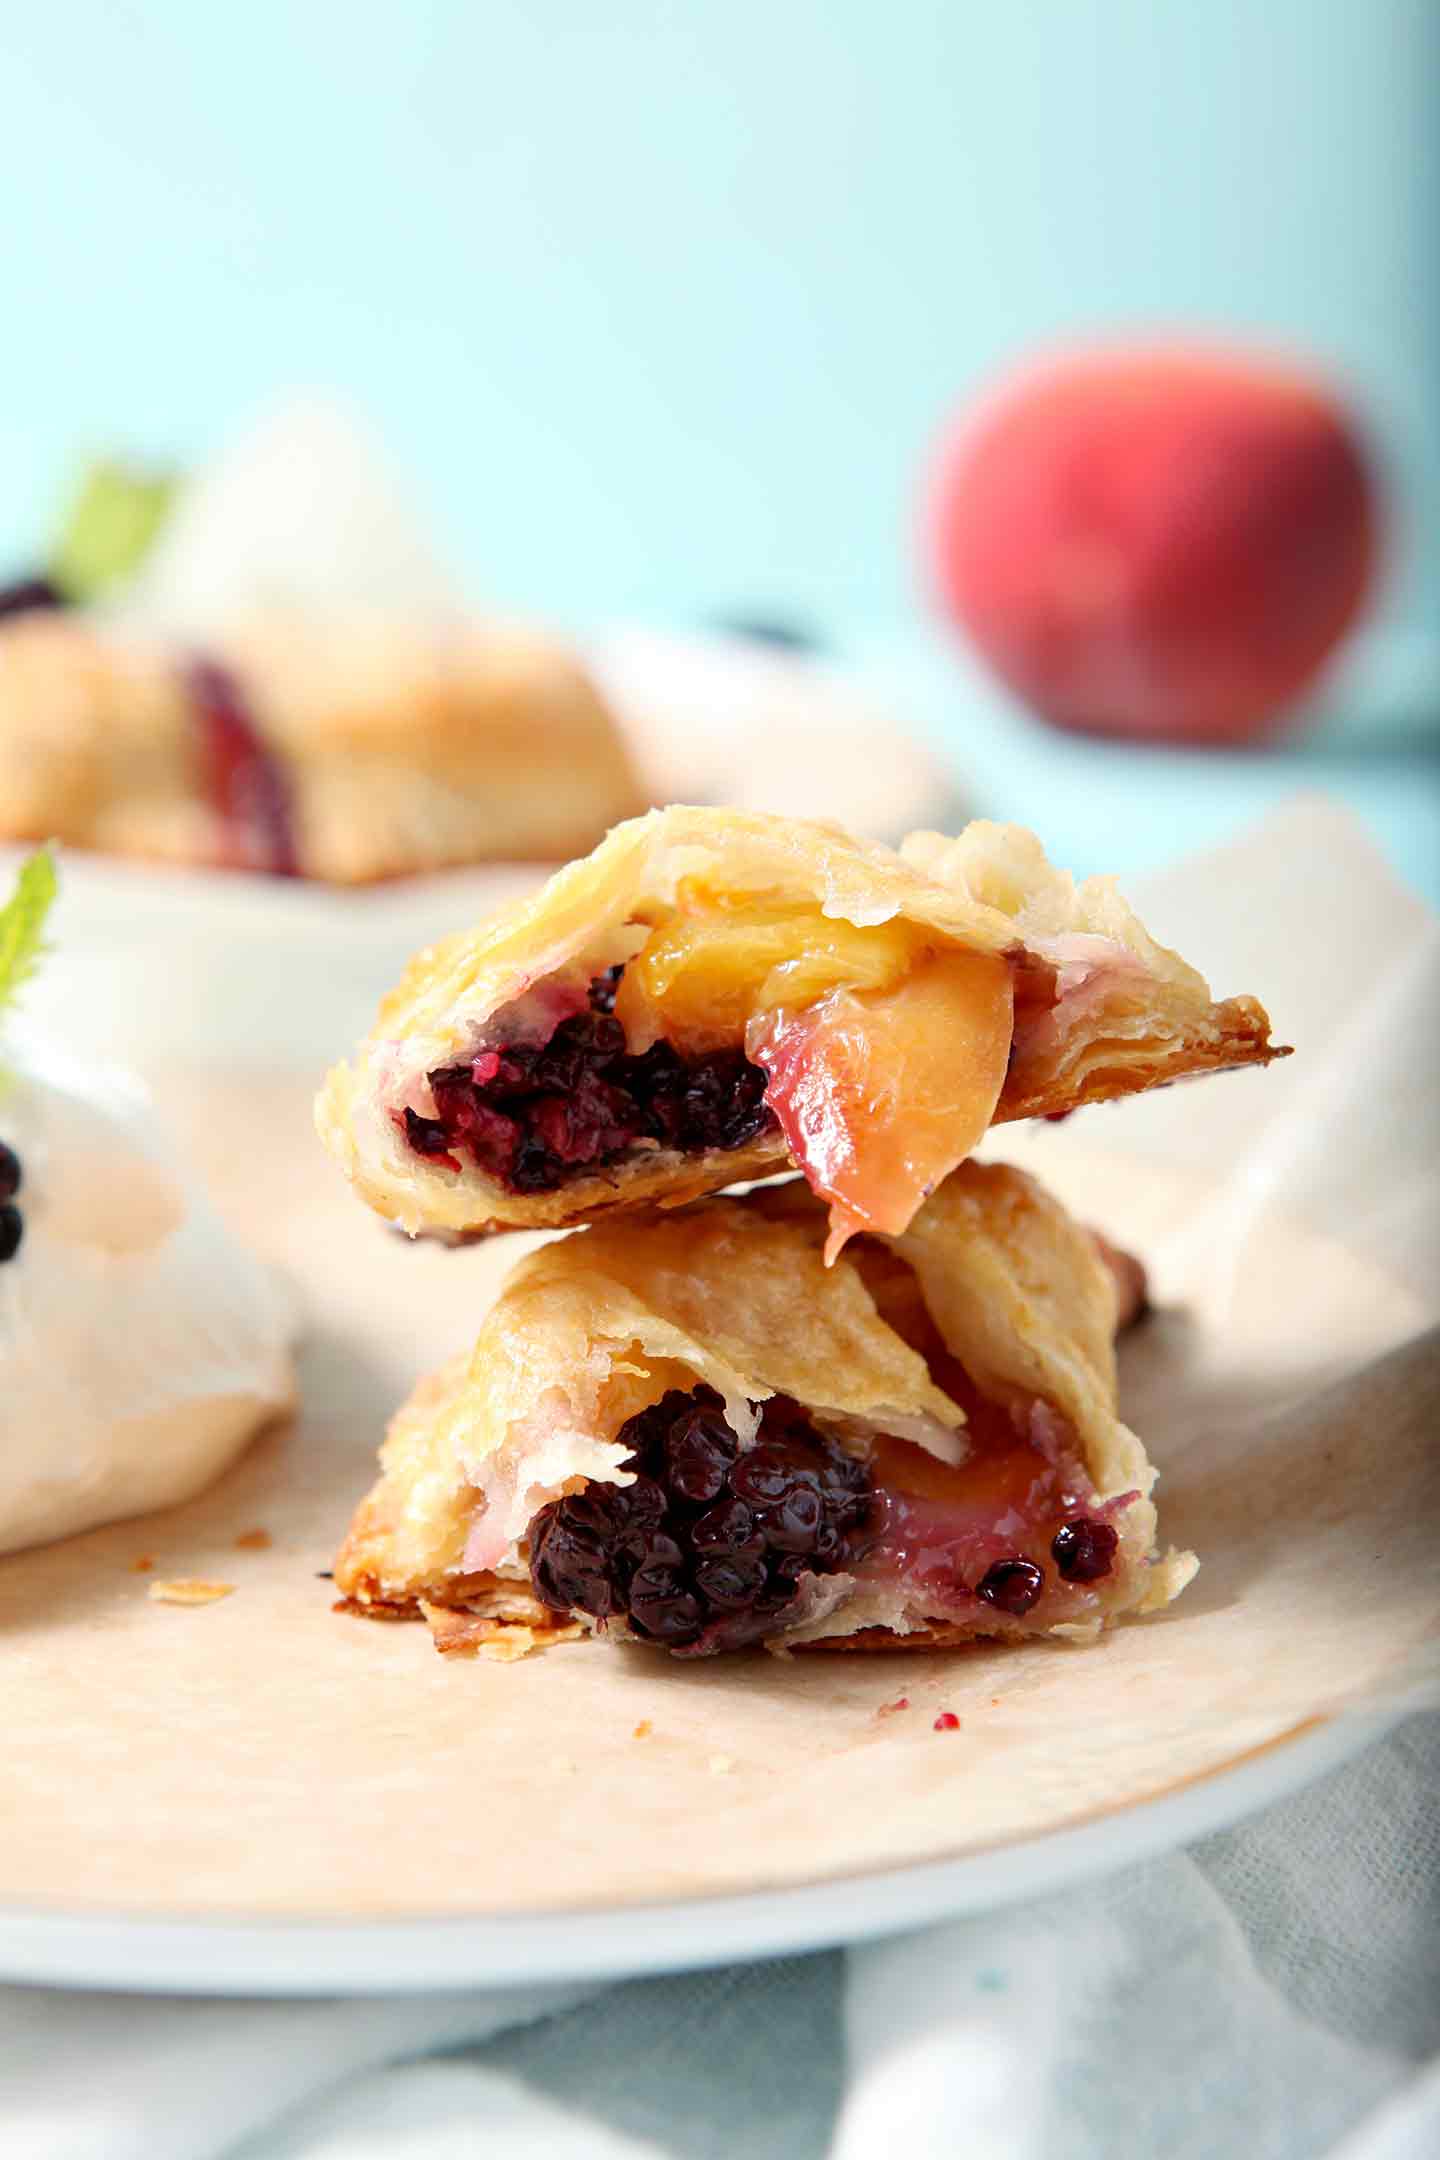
28	596
1083	1550
708	1548
245	782
536	1114
1012	1586
12	1226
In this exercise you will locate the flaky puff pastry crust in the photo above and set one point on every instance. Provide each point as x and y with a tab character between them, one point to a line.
1101	1009
410	749
399	750
733	1294
97	747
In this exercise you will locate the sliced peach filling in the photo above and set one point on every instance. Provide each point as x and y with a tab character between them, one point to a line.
1016	1524
879	1052
885	1049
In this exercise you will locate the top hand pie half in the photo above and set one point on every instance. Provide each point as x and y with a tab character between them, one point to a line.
713	995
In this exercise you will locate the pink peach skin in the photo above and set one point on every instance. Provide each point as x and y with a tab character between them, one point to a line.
1159	543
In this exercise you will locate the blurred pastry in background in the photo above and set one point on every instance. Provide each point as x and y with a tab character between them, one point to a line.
345	749
141	1347
263	668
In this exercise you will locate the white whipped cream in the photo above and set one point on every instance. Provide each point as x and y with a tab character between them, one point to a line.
140	1347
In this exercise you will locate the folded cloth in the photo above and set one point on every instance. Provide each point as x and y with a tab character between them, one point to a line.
1274	1991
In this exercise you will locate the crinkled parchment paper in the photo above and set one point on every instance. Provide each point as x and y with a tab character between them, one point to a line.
261	1754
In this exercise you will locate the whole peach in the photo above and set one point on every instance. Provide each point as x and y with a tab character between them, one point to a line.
1162	542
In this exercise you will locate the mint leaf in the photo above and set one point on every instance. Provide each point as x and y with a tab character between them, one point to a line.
22	923
110	528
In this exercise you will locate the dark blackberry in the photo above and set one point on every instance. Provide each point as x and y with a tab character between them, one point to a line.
795	1523
728	1527
662	1605
28	596
10	1172
698	1455
731	1584
603	988
1012	1586
724	1101
694	1562
585	1550
534	1115
1084	1550
428	1138
12	1230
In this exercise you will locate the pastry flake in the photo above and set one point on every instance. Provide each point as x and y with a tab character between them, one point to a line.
715	995
188	1590
682	1428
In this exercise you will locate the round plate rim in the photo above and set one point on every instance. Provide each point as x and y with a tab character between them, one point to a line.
268	1955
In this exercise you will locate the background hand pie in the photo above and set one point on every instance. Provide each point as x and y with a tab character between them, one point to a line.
346	750
713	995
683	1428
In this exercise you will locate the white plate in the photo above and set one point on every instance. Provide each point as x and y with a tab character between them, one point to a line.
261	1796
135	1952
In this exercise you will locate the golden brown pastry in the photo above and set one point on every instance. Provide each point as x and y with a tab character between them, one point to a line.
342	750
683	1428
715	994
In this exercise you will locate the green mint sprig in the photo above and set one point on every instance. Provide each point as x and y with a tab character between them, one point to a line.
22	923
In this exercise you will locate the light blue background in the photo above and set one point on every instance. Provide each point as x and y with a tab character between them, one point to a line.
660	304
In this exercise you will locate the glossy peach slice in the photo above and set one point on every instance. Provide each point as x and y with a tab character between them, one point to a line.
880	1093
699	979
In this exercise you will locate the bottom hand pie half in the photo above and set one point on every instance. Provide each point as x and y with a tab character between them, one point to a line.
682	1429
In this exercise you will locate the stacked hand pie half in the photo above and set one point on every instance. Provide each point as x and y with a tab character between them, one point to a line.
872	1406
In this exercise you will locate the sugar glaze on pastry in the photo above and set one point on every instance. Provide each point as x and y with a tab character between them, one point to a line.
140	1347
682	1428
714	995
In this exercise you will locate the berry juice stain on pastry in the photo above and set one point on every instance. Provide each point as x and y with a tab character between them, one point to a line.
343	748
716	995
683	1429
245	781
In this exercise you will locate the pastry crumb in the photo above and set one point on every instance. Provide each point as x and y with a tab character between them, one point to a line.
888	1709
466	1634
642	1730
947	1722
142	1565
720	1764
187	1590
254	1541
